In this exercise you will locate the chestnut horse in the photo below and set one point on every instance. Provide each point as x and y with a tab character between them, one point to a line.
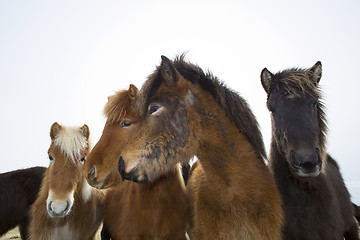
67	207
18	190
316	201
157	210
184	112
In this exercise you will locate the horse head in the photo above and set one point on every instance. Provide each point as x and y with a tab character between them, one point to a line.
67	152
297	117
162	140
101	167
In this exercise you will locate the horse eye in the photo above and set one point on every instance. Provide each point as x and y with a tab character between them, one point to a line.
290	95
153	108
82	160
51	158
125	123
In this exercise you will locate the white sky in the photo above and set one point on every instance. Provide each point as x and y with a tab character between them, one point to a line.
59	60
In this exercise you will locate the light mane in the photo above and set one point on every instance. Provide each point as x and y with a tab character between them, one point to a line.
117	106
71	142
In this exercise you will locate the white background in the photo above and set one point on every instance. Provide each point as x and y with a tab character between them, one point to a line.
59	60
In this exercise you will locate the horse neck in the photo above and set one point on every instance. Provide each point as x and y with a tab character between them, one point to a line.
172	181
222	149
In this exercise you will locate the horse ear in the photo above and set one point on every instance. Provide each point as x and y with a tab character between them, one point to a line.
167	70
85	131
316	72
132	92
266	78
54	130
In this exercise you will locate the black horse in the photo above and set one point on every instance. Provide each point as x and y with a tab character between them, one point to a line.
316	201
18	190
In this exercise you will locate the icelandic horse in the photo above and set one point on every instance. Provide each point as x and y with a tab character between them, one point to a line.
67	206
18	190
316	201
157	210
184	112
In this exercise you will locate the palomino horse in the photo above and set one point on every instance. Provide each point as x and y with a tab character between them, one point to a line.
18	190
316	202
67	207
157	210
184	112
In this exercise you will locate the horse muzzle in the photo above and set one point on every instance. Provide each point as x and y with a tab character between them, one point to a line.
306	164
59	208
96	182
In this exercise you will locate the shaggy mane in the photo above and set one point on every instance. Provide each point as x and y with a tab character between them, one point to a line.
117	106
71	142
295	80
235	107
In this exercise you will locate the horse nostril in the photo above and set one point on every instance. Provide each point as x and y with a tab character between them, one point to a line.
92	173
50	208
121	166
67	206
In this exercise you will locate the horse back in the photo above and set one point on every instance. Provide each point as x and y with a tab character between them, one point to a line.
19	190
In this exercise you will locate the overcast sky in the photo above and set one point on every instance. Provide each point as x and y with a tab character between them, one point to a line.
60	60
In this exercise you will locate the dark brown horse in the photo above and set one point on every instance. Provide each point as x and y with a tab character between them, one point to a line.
157	210
184	112
67	207
18	190
316	202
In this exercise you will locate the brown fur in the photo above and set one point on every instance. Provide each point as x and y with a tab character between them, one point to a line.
232	194
158	210
63	176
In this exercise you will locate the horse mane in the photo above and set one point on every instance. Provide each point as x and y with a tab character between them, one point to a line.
297	80
117	106
234	106
71	142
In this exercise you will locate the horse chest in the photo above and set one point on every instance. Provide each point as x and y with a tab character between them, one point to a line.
64	232
308	216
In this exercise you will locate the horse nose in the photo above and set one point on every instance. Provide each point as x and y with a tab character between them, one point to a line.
307	164
91	175
58	209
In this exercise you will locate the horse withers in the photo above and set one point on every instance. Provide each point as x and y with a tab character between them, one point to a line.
18	190
184	112
67	207
316	201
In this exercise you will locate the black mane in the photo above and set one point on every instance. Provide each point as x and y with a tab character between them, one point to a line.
235	107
